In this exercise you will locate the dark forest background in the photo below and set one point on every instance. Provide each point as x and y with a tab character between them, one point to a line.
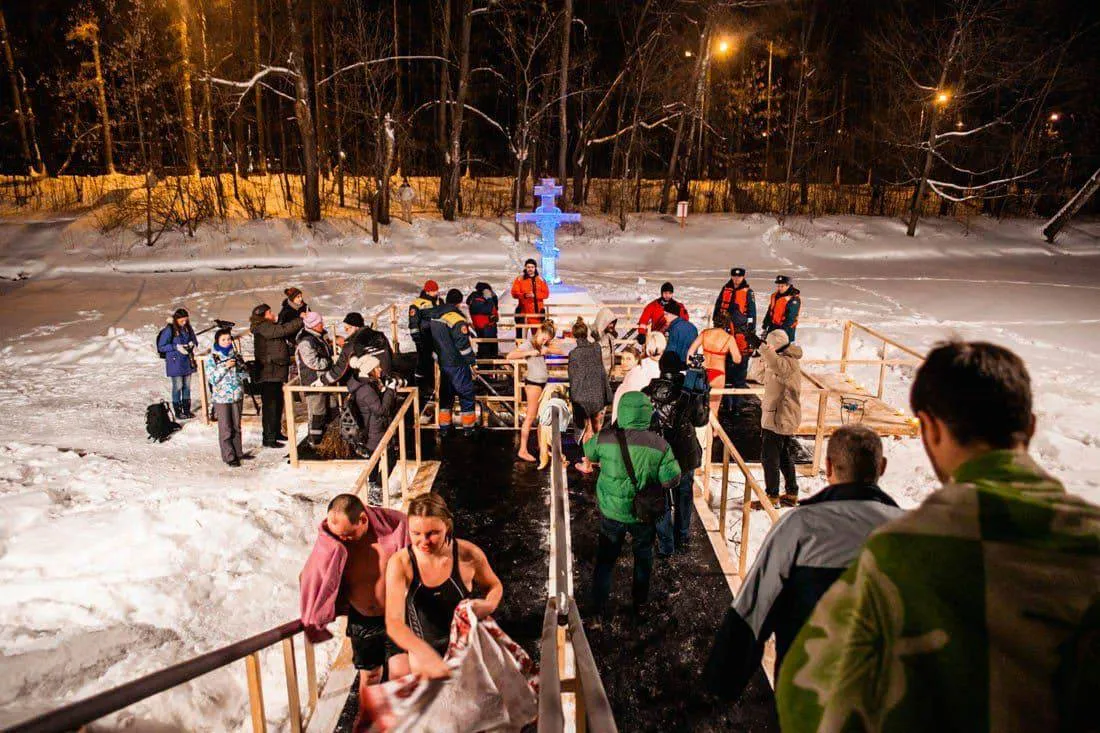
979	102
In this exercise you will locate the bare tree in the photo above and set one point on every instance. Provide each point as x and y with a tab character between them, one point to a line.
24	117
86	31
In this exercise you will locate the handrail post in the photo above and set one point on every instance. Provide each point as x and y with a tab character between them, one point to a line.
311	672
438	404
844	346
819	431
746	517
416	424
293	700
204	397
881	371
393	328
291	428
255	693
385	475
515	395
725	490
402	458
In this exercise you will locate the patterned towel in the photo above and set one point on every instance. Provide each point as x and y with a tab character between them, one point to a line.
493	687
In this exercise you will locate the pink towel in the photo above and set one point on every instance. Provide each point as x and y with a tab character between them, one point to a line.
493	687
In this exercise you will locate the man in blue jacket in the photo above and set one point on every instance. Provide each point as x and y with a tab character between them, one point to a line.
451	340
680	331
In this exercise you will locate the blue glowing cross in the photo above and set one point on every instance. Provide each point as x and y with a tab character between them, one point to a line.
548	217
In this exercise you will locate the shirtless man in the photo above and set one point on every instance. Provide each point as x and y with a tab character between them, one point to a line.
716	344
356	542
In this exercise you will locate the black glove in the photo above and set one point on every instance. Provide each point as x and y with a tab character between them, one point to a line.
752	340
640	338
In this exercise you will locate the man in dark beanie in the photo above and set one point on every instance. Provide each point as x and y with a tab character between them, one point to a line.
653	317
356	338
273	357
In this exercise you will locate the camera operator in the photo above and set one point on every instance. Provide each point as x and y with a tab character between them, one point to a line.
226	376
677	411
176	344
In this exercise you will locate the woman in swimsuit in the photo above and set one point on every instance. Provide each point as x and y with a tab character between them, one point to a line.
716	343
425	584
534	352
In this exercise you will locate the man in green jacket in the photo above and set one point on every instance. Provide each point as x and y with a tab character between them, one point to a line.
977	611
653	461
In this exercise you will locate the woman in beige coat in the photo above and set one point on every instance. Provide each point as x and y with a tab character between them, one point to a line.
781	414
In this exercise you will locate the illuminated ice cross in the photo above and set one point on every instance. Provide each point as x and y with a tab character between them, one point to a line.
548	217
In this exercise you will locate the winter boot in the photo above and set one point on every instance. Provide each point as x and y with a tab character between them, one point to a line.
469	421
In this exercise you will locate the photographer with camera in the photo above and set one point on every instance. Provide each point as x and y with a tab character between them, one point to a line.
677	412
176	344
226	376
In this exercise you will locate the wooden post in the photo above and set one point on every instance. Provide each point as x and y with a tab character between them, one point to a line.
291	428
844	346
403	459
746	516
294	701
204	399
255	693
708	455
311	673
416	425
515	395
881	371
725	491
393	328
438	404
819	432
385	473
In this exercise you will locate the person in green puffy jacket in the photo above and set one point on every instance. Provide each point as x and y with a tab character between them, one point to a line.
653	461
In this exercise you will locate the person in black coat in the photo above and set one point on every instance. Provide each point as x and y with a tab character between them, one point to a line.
359	339
676	414
589	388
484	314
272	352
293	306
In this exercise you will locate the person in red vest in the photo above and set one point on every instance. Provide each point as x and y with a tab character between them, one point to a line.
738	301
530	292
484	314
786	302
653	317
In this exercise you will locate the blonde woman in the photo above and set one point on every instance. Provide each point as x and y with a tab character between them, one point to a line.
534	353
426	582
647	370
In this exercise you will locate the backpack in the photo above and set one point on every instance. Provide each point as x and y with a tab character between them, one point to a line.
651	501
252	370
159	423
156	344
351	426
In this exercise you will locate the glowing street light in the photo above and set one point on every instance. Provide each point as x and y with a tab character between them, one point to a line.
723	46
688	54
1054	116
943	98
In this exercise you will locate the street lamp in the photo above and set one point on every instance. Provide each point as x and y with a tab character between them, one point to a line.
1054	116
688	54
943	97
723	46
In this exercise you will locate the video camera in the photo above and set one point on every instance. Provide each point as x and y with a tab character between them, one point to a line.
695	378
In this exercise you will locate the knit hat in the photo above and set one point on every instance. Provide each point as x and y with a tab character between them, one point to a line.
260	310
671	363
312	320
737	272
364	364
777	339
454	296
782	279
355	319
180	313
667	288
431	286
672	307
655	343
292	293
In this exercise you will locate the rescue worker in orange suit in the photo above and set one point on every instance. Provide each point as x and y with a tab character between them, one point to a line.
450	334
419	317
530	292
783	309
653	316
738	301
484	316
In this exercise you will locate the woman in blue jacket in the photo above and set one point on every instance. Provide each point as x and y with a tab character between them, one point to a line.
176	343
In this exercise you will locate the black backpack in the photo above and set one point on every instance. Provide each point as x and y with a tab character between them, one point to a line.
159	423
156	344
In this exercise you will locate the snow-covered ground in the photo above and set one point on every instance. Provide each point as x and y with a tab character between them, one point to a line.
118	557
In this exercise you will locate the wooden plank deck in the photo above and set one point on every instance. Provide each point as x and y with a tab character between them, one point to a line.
883	418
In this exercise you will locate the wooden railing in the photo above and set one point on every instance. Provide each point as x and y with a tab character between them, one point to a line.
78	714
882	361
567	666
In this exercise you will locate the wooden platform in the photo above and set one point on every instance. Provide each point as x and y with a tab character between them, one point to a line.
877	414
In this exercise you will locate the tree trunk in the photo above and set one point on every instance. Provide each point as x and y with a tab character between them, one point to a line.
768	119
445	112
101	103
450	204
24	121
190	137
261	133
1050	231
563	90
700	60
388	144
207	90
317	41
311	192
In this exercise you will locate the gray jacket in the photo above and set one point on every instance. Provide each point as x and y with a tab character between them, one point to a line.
588	385
606	341
781	408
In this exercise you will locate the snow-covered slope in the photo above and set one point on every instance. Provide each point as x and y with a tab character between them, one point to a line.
118	557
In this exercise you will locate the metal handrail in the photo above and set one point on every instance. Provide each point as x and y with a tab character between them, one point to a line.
83	712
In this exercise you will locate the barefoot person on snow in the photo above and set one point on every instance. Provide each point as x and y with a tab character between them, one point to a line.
176	344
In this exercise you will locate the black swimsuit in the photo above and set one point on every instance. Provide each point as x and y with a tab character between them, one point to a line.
430	610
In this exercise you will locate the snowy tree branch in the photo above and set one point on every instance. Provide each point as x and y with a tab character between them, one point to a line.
374	62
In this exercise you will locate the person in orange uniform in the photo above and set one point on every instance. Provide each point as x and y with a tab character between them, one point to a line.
653	317
530	292
786	302
738	301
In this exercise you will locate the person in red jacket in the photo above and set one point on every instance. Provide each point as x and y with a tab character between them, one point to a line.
530	292
653	317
